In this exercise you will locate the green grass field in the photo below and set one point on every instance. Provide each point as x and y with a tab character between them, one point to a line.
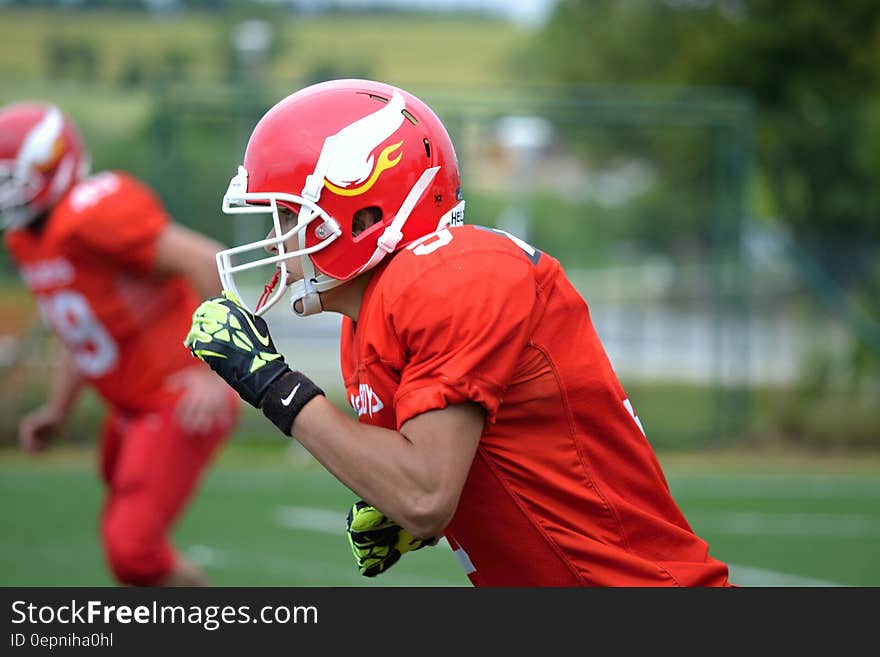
268	515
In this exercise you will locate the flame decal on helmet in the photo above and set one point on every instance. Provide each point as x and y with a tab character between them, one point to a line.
42	146
385	162
349	152
54	156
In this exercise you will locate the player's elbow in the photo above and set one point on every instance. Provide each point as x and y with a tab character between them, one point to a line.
428	515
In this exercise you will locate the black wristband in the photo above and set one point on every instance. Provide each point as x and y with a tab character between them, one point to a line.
286	397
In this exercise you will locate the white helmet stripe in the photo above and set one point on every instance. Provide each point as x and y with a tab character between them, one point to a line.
38	145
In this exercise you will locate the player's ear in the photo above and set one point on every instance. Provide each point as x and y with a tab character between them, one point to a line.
364	218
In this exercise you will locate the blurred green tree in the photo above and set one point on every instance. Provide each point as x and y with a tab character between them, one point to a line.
811	66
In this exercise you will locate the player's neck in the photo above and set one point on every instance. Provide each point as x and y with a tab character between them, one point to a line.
346	299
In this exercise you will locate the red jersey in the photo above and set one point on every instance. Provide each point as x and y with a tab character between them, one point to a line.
90	268
564	489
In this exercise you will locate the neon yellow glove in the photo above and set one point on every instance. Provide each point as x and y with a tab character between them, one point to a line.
376	541
236	345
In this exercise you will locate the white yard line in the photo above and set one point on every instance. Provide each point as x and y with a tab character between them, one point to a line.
750	576
310	519
776	487
788	524
303	518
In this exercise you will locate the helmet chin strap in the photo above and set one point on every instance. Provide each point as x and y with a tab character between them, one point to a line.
393	233
307	291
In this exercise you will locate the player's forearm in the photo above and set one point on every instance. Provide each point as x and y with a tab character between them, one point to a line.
203	274
409	480
66	386
183	251
380	465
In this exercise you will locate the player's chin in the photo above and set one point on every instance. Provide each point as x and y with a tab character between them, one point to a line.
291	279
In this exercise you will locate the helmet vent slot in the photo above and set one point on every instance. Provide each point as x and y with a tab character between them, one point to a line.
405	112
427	147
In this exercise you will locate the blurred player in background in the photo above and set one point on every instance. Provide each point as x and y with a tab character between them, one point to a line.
117	281
488	410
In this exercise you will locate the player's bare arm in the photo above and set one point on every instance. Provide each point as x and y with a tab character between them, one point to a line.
203	402
415	476
182	251
42	424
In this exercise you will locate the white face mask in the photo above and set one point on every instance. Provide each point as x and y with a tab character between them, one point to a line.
238	201
16	193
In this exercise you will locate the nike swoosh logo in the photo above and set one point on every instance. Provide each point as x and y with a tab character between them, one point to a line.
286	400
264	340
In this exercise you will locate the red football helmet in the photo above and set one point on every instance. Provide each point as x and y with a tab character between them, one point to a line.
41	158
326	152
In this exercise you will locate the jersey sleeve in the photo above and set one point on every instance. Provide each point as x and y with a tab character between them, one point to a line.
463	326
117	218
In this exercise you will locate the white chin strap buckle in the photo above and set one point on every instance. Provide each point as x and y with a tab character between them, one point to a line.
311	304
389	240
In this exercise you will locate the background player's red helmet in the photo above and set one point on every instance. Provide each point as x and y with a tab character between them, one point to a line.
328	151
41	158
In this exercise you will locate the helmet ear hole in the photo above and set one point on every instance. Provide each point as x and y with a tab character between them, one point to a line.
365	218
